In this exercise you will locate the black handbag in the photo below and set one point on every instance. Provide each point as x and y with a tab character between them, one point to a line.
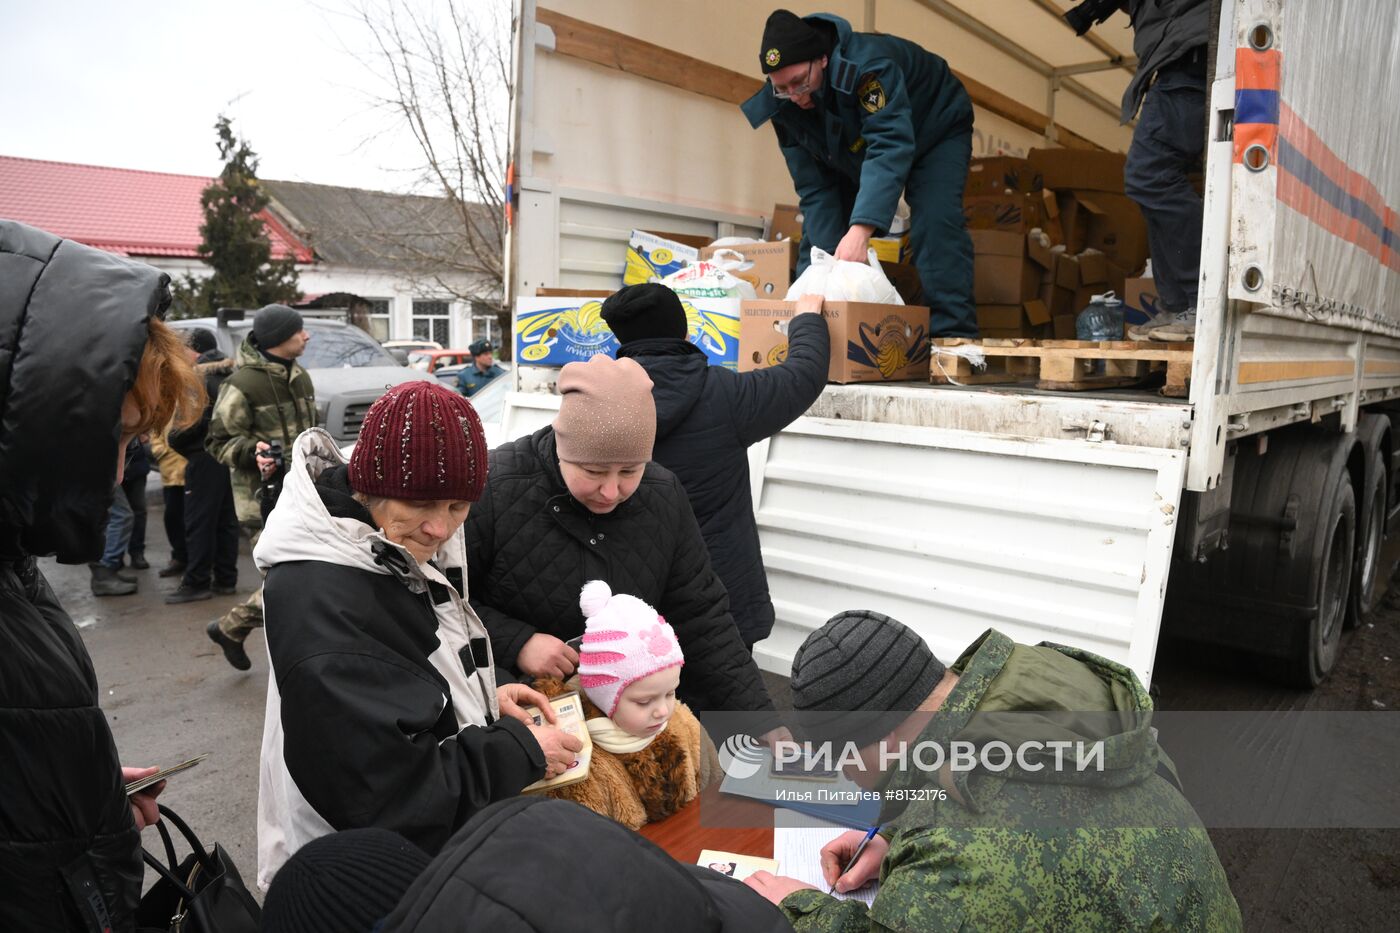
202	894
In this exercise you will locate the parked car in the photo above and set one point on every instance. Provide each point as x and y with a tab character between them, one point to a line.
430	361
348	368
400	349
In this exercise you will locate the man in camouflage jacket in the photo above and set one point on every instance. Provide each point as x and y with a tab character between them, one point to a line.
1111	848
268	398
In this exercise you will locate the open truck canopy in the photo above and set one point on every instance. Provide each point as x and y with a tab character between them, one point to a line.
1046	515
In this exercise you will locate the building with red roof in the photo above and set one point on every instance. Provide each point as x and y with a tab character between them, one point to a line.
344	240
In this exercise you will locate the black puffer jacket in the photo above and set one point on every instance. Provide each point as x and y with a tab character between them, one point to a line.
706	419
70	856
214	368
535	865
531	547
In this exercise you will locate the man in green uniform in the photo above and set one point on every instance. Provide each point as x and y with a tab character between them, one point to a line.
268	398
1041	843
861	119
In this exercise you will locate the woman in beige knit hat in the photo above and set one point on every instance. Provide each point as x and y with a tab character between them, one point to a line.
581	500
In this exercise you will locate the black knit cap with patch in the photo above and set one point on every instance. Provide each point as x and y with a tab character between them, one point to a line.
864	669
788	38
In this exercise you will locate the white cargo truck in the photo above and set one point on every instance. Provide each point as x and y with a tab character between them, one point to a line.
1253	511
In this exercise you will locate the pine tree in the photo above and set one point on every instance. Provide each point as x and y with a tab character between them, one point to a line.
234	241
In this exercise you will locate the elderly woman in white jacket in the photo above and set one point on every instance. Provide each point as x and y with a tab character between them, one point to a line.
382	707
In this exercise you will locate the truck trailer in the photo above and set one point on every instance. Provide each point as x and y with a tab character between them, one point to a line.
1251	512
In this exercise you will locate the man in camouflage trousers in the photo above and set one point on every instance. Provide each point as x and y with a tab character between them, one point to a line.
268	398
1040	843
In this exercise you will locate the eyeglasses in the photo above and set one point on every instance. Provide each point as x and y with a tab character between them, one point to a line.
800	90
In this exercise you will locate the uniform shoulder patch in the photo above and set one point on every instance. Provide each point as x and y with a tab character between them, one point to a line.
871	93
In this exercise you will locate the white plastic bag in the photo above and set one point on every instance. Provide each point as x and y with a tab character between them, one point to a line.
709	280
844	281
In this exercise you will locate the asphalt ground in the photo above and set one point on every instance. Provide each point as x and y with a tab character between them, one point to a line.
169	695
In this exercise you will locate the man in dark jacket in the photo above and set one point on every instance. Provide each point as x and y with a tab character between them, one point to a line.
532	543
585	873
70	855
706	418
1170	39
862	118
480	371
211	521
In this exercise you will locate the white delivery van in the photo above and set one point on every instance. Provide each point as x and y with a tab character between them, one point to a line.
1253	511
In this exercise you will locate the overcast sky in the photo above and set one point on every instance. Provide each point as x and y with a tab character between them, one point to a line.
139	83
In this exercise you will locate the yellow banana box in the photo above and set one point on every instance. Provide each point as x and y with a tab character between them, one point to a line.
554	330
869	342
653	256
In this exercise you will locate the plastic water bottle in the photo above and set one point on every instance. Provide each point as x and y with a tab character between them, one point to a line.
1101	320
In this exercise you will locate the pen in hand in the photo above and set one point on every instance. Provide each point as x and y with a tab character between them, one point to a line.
869	835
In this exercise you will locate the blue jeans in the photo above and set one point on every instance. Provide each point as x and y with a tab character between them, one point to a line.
1167	146
120	520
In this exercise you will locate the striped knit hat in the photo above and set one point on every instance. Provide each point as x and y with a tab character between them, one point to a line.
859	676
624	640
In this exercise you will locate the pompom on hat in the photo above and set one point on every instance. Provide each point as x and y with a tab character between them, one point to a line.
420	441
624	640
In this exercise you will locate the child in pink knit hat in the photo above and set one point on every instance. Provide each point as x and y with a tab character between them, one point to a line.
650	754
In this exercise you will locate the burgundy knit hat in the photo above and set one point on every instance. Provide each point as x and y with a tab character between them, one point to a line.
420	441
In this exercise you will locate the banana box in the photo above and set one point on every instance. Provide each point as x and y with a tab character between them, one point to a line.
652	256
869	342
554	330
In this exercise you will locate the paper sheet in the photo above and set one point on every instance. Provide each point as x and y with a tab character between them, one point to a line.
797	845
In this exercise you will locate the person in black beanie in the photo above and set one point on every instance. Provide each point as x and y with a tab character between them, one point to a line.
861	119
347	882
1041	841
706	419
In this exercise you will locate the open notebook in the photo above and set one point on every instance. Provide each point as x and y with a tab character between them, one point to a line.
797	845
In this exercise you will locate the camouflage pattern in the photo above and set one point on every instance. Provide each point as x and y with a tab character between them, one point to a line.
238	623
261	401
1122	850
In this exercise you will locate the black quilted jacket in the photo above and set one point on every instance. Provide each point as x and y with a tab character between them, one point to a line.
531	547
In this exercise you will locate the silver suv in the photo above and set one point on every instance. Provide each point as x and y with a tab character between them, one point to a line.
348	368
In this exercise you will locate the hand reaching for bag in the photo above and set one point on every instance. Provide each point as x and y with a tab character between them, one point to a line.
855	245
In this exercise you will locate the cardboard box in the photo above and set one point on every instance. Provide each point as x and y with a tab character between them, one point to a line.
787	223
767	266
552	331
1040	249
1015	212
1139	299
657	255
1050	213
889	248
1111	224
883	343
1001	273
1093	267
1059	300
1066	271
1023	320
999	174
1086	170
1063	327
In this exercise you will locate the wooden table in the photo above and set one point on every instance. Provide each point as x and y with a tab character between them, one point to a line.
733	824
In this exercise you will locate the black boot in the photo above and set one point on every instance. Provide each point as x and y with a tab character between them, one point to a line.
138	561
106	582
187	594
233	650
173	569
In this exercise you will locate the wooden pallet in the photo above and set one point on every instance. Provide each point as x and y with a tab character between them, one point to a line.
1067	365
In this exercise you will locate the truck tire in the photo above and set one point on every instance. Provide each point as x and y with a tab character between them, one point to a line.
1366	576
1319	635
